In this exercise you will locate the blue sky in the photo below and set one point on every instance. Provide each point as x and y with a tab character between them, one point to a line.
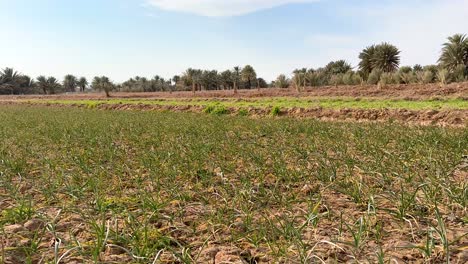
125	38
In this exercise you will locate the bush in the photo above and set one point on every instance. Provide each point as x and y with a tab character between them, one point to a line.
275	111
405	69
243	112
388	78
459	73
209	109
357	79
425	77
220	110
374	76
407	77
443	76
336	79
348	78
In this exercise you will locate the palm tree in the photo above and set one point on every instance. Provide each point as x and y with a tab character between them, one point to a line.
9	81
103	84
338	67
176	79
386	57
82	83
299	79
282	81
52	85
236	77
366	56
248	74
454	52
226	79
42	83
70	83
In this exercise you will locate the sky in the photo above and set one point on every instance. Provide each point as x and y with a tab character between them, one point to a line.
126	38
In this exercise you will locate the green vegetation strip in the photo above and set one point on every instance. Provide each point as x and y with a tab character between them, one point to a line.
171	186
287	102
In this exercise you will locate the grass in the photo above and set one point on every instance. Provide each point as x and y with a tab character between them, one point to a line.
167	187
286	102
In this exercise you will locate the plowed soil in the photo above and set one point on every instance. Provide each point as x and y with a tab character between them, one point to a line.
410	92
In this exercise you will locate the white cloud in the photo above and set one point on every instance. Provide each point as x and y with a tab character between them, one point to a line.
220	8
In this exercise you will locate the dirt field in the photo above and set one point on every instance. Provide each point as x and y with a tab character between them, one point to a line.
91	186
409	92
409	104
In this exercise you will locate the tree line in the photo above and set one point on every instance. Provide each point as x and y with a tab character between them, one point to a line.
378	65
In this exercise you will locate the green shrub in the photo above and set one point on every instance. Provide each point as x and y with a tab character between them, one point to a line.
443	76
357	79
388	78
275	111
374	76
243	112
459	73
336	79
209	109
407	77
216	110
425	77
348	78
405	69
220	110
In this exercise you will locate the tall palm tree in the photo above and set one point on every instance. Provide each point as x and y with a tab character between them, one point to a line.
42	83
248	75
454	52
386	57
236	77
70	83
338	67
190	78
225	78
9	81
366	56
52	85
103	84
176	79
82	83
282	81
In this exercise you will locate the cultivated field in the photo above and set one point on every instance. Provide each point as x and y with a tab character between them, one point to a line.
445	105
215	179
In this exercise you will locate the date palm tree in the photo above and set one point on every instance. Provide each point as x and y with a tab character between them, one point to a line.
366	56
385	57
82	83
248	75
236	77
52	85
42	83
454	52
9	80
69	83
282	81
102	84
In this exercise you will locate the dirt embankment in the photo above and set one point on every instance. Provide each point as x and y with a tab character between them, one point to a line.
453	118
409	92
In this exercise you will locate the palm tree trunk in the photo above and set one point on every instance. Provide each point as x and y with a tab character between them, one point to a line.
193	87
235	87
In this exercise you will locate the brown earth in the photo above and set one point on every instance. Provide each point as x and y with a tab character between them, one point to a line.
410	92
451	117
